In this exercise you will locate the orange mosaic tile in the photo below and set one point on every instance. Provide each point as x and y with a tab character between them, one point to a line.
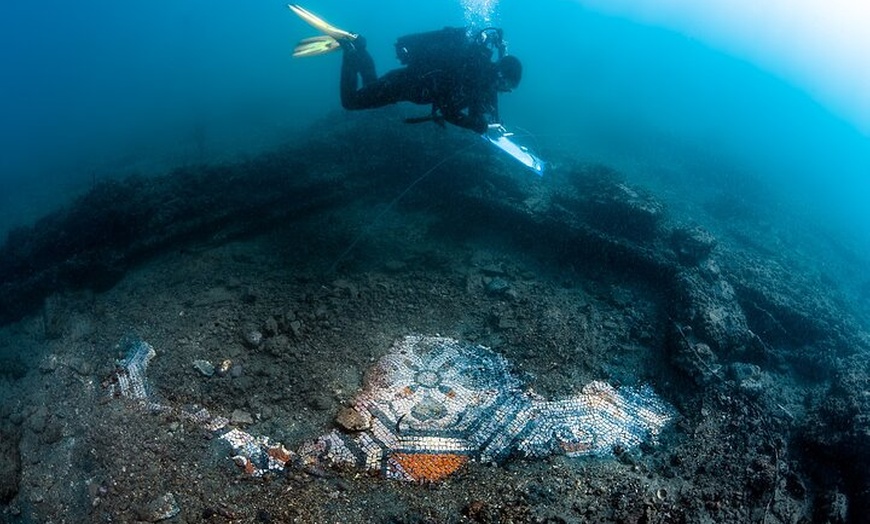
430	467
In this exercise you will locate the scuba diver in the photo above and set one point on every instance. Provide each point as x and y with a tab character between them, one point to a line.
452	69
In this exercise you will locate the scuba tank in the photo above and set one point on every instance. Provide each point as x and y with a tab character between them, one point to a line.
449	48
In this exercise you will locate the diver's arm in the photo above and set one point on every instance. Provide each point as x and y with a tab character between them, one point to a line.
481	114
490	108
485	109
476	123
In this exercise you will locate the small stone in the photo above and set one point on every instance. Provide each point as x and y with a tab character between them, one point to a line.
278	346
162	508
53	433
81	366
742	371
475	510
205	367
271	326
236	371
224	367
352	420
49	364
241	418
320	403
345	286
253	338
296	328
38	420
749	377
497	286
834	506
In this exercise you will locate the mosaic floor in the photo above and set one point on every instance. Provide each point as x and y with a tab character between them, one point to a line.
429	406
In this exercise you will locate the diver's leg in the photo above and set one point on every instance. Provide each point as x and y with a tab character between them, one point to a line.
355	62
349	83
375	92
386	90
366	68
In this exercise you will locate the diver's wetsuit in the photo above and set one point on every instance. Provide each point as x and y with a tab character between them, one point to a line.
463	93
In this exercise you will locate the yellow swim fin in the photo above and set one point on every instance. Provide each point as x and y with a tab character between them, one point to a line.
320	24
316	45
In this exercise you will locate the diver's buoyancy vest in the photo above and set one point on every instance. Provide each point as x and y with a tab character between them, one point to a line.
448	48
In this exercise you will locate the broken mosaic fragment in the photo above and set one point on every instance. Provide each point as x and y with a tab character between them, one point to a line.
431	405
130	380
436	403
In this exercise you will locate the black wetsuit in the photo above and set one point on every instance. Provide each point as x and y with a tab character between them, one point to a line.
462	89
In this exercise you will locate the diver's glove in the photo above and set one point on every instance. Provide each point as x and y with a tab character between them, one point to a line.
495	129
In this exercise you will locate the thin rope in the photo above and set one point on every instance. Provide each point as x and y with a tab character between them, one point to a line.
393	203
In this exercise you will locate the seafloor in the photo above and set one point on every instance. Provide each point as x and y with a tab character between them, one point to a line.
303	266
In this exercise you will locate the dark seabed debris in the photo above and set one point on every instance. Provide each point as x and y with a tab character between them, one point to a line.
268	288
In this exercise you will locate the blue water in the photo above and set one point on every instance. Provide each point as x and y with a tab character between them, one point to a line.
778	173
99	89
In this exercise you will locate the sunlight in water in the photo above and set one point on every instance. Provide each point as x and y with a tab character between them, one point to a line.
819	46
